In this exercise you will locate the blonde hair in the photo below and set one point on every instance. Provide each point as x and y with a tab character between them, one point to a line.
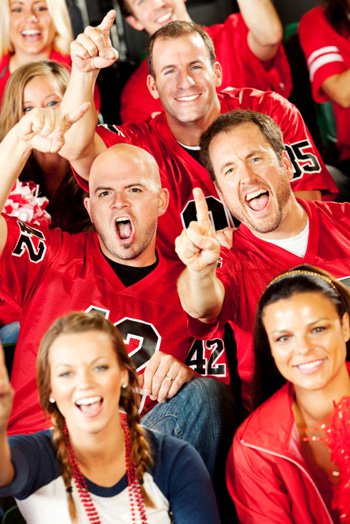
59	16
12	103
140	453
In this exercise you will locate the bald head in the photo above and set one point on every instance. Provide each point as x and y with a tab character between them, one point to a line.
125	158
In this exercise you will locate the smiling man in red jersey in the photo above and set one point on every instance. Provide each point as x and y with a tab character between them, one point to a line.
247	44
184	75
246	158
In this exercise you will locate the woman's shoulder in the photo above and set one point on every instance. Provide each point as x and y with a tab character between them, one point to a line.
267	420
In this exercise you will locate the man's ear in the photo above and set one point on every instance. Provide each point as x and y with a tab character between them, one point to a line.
87	207
287	164
218	73
152	88
163	201
134	23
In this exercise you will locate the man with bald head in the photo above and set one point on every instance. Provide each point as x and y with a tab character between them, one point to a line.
117	272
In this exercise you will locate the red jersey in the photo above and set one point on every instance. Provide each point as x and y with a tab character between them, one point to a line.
49	273
241	68
247	268
180	172
327	53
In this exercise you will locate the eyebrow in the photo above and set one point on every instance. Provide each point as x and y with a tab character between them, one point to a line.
321	319
198	60
247	157
109	188
63	364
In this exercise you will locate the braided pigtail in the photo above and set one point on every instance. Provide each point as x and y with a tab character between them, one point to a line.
140	451
59	442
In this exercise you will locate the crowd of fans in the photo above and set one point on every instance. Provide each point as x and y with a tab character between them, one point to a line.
174	303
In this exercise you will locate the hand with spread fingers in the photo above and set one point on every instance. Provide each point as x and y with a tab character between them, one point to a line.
164	376
197	246
92	50
6	393
44	129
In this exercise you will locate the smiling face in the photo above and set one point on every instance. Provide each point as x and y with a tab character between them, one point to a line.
307	340
85	379
42	91
31	29
185	80
125	202
151	15
251	179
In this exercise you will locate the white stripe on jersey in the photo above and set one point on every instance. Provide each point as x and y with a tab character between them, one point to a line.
323	60
322	51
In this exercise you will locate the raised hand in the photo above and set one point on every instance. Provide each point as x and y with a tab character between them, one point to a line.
92	50
43	129
197	245
6	393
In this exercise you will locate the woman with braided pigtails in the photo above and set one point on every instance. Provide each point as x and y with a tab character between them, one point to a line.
97	457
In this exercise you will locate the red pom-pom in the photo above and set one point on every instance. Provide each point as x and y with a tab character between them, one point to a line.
25	204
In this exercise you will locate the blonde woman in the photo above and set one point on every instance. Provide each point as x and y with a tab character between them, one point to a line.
32	30
97	464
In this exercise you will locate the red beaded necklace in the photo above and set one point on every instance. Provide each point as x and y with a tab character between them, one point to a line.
137	505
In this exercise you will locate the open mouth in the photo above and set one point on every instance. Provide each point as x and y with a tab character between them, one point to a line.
124	228
257	200
89	405
165	18
31	34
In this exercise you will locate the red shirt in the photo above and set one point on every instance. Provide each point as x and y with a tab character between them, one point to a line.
327	53
180	172
252	263
267	478
241	68
49	273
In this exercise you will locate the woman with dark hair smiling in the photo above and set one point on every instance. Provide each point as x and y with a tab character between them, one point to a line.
287	460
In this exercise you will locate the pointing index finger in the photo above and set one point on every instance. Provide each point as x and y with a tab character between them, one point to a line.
201	208
107	22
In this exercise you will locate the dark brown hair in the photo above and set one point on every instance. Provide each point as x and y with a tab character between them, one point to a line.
224	123
302	279
175	30
337	14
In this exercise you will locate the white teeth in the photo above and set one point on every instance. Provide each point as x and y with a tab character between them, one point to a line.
122	219
309	365
255	194
164	18
187	98
30	32
87	401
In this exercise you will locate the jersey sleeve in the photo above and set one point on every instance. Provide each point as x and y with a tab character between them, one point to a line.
137	103
258	495
182	477
34	462
24	260
320	44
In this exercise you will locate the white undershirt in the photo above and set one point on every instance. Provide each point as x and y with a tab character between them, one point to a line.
297	244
